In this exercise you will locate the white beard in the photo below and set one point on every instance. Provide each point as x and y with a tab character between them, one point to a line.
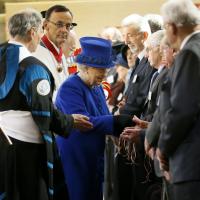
133	50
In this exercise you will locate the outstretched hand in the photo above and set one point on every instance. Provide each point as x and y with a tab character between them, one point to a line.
121	103
140	123
131	134
150	151
163	160
82	122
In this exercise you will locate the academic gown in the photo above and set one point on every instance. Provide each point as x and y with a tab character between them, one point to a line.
29	170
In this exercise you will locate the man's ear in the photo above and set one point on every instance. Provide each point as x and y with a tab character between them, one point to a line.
30	34
174	28
145	36
45	25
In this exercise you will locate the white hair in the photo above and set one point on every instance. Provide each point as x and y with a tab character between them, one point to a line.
155	21
72	38
180	12
82	67
112	33
137	21
155	39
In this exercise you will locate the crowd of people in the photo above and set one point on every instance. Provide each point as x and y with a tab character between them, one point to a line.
123	125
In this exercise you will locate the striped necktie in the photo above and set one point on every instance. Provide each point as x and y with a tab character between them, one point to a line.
153	78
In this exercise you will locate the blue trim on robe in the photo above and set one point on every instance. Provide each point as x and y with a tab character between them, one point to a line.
12	65
82	153
41	113
31	74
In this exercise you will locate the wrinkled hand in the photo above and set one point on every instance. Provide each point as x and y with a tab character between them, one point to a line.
81	122
131	134
167	175
150	151
121	103
163	160
140	123
164	164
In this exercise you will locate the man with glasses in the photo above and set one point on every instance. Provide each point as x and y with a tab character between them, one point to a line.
57	25
29	163
136	31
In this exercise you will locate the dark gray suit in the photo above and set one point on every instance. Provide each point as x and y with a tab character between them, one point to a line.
153	131
136	95
151	102
180	130
138	88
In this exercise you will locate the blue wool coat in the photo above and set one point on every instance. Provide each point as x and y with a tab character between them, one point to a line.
82	152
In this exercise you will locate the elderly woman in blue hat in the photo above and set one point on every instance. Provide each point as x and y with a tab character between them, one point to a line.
82	154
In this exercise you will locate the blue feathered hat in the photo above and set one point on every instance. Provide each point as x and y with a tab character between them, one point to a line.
95	52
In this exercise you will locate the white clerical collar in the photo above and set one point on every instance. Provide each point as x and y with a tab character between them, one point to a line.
24	52
17	43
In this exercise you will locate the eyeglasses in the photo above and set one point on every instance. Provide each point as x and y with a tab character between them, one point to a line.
167	25
61	25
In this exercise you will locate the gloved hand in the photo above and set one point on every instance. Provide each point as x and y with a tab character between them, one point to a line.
120	122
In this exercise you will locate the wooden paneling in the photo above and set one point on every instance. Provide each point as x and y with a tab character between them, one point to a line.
2	28
92	16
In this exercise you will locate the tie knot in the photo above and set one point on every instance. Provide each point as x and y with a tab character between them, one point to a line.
137	61
154	77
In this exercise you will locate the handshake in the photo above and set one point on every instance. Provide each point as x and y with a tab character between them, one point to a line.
82	122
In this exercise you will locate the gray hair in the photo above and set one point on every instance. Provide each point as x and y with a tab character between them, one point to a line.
112	33
155	22
137	21
155	39
20	23
180	12
82	67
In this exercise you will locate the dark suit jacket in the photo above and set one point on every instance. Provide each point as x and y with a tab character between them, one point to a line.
153	131
152	102
180	130
150	109
138	88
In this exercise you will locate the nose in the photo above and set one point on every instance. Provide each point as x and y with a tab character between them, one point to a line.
65	29
126	40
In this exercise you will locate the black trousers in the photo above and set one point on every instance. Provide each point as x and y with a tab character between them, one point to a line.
187	190
133	184
23	171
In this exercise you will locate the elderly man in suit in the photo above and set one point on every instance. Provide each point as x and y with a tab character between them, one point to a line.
136	31
179	140
156	57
